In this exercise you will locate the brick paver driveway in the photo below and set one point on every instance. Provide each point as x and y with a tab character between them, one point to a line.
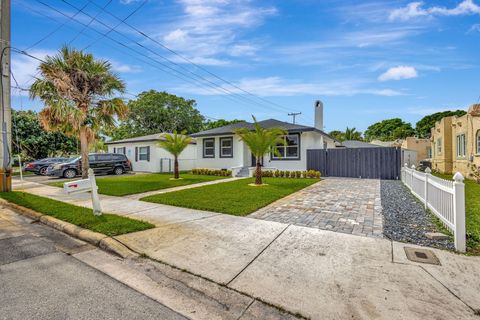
338	204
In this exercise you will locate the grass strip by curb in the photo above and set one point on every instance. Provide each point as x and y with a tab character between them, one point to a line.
108	224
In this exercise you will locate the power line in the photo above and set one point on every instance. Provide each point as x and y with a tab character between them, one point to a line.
48	35
185	58
89	23
115	27
175	73
170	61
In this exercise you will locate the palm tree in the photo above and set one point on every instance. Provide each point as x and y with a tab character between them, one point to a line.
352	134
175	144
261	141
78	94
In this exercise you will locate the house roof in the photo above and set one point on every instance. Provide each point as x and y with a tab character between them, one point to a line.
147	138
266	124
359	144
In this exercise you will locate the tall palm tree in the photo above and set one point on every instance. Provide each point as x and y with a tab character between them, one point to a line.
352	134
78	94
175	143
261	141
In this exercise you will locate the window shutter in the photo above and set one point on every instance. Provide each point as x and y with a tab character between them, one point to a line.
148	153
136	154
114	150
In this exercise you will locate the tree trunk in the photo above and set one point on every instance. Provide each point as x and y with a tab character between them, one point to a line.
84	152
258	172
175	168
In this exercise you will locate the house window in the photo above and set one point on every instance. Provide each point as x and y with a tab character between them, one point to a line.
226	147
144	153
461	146
429	152
122	150
288	151
439	146
209	148
478	141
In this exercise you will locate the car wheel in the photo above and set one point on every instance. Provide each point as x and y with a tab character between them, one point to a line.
69	173
118	171
43	171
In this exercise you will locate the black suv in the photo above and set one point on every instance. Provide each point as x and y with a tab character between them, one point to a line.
40	166
101	163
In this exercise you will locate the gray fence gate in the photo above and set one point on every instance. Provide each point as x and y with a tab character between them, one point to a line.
368	163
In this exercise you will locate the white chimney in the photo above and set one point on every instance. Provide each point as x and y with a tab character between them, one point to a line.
318	115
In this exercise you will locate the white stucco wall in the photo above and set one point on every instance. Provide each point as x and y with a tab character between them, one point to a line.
221	163
242	156
187	158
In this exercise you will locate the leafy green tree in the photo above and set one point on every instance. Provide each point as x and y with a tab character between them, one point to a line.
153	112
424	126
219	123
388	130
352	134
175	144
261	141
31	141
337	135
78	94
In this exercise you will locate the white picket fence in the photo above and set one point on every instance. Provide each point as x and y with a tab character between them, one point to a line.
446	199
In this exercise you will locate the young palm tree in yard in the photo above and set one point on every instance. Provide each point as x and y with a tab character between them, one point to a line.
175	143
261	141
352	134
78	93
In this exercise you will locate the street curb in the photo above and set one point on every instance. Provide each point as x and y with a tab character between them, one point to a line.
94	238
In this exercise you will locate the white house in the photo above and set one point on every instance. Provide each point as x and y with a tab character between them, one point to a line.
147	156
220	148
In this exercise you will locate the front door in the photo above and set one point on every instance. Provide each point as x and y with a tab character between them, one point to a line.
254	161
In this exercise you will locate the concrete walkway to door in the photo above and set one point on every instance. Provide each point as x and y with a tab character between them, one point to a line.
345	205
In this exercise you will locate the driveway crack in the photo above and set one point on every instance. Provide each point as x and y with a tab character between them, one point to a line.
255	258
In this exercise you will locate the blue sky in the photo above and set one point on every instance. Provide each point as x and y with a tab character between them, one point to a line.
366	61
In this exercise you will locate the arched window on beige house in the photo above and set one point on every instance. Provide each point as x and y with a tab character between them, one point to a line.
477	139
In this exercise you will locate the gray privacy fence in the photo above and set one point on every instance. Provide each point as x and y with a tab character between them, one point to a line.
368	163
445	198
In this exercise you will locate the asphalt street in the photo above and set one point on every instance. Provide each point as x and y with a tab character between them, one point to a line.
39	279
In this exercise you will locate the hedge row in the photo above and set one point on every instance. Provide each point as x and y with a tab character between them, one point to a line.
210	172
291	174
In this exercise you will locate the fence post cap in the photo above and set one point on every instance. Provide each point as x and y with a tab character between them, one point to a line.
428	170
413	166
458	177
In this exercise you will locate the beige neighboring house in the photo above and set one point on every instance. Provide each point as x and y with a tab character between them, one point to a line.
422	147
456	142
396	143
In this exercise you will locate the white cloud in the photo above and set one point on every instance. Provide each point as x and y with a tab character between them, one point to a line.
276	86
475	28
398	73
124	68
208	28
416	9
24	68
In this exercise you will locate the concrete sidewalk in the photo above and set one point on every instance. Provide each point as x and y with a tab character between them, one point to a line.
319	274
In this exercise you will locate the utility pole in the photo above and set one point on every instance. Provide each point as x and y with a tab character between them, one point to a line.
6	110
294	114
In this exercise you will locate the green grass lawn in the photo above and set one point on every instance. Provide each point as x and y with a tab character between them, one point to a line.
236	197
131	184
109	224
472	212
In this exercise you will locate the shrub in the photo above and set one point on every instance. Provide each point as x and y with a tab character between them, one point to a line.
298	174
276	174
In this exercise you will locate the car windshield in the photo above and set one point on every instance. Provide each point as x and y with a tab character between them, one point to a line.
71	160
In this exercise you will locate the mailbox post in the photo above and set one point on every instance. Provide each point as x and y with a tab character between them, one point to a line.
86	185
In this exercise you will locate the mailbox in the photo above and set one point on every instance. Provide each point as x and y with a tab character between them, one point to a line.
78	186
86	185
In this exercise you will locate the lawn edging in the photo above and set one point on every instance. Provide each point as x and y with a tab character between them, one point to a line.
94	238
